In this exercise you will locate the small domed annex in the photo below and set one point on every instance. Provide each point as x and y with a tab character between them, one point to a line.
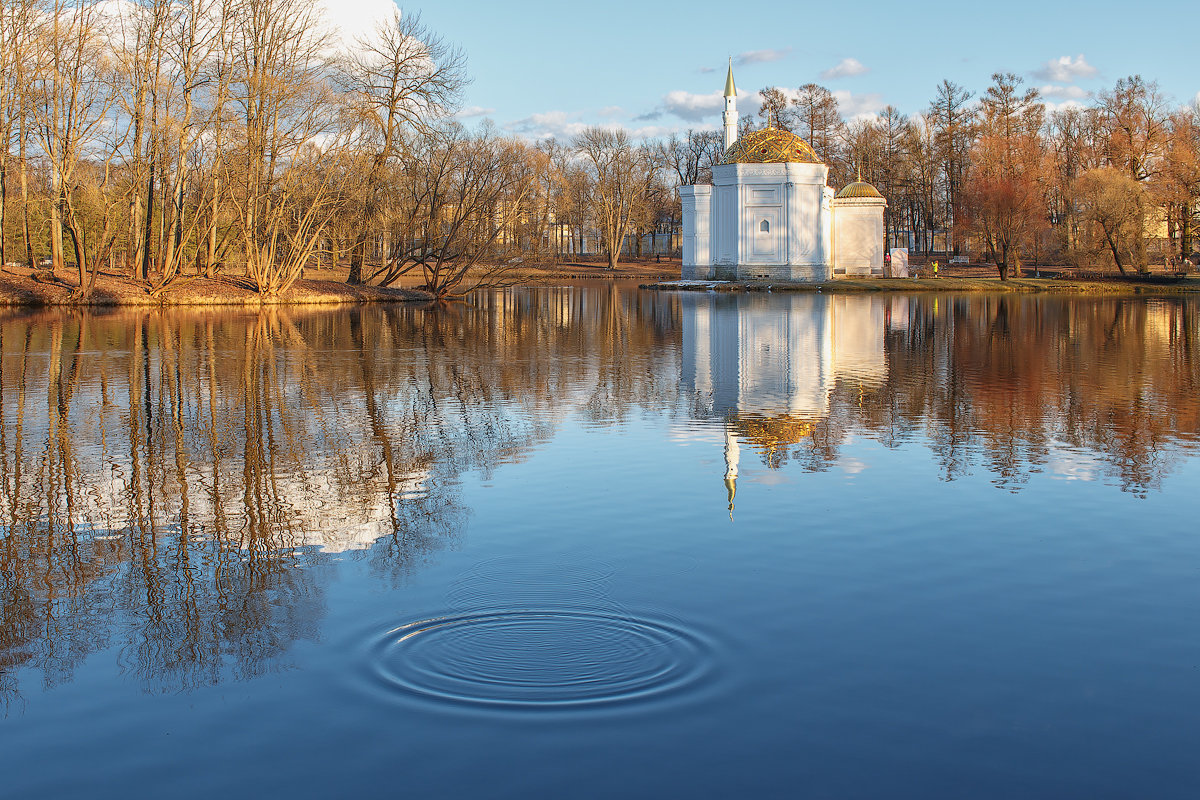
858	189
771	146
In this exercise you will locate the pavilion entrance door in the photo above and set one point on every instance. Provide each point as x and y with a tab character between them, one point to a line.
765	236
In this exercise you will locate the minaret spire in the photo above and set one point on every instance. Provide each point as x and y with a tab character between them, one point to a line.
730	117
732	456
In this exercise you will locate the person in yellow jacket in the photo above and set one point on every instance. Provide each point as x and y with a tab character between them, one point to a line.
935	269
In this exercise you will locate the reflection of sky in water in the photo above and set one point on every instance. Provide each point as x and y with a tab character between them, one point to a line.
961	552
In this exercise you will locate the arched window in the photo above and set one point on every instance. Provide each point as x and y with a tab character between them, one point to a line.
764	227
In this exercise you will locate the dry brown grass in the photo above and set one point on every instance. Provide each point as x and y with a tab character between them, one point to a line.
18	288
319	287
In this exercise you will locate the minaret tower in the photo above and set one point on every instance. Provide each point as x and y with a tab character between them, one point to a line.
732	456
730	117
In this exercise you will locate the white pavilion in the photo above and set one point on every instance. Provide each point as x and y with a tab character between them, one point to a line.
771	215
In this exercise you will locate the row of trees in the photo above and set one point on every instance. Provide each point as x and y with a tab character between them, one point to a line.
162	139
159	138
1012	180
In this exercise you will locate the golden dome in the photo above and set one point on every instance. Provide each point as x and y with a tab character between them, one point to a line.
770	146
858	189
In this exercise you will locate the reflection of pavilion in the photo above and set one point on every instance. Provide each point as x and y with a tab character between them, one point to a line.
766	364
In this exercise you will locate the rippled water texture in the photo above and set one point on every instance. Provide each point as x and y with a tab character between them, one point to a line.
599	542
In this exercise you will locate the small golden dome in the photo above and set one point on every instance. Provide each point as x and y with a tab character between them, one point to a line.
858	189
770	146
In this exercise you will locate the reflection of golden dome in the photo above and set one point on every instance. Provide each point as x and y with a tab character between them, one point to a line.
770	146
858	189
769	434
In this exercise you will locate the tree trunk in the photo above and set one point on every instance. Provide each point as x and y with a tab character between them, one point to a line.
25	197
85	284
210	265
56	253
148	223
3	208
357	256
1185	232
1112	245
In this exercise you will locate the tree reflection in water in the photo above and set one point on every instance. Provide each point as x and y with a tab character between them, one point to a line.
1015	385
175	485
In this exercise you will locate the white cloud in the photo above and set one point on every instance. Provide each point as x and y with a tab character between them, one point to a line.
1056	98
563	125
354	19
859	106
1066	69
474	111
846	68
1064	92
761	56
1051	106
611	111
559	124
1196	100
693	107
654	131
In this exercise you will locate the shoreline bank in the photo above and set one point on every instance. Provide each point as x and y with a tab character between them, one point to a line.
19	289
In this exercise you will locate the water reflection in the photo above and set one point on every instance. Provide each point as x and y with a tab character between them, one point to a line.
1081	389
177	487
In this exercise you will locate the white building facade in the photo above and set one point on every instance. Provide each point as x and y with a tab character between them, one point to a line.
770	214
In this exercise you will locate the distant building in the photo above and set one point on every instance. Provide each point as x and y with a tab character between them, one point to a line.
770	214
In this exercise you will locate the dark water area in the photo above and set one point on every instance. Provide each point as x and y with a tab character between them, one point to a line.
597	542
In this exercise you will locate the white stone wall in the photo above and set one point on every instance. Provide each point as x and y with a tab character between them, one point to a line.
858	236
788	198
696	204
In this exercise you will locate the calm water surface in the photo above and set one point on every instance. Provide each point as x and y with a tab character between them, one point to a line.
596	542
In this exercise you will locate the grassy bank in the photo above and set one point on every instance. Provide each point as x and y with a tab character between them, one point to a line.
320	287
1115	286
20	289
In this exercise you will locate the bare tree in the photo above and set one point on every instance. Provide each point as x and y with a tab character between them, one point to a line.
952	119
1117	205
774	110
455	208
282	200
692	156
400	79
1002	200
72	93
22	22
1181	175
820	121
621	173
1135	128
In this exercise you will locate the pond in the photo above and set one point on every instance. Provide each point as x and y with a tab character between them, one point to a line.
602	542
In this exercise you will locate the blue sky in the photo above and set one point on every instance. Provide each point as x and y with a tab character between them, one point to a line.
544	67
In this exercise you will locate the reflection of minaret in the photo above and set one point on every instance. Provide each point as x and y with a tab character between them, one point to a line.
730	116
732	453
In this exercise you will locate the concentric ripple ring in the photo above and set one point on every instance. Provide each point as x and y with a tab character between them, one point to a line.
539	658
